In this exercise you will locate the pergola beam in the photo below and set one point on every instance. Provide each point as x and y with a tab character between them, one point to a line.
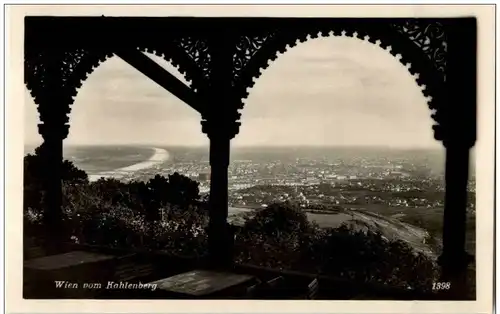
162	77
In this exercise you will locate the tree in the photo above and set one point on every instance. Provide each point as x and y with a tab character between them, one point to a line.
278	218
274	236
280	236
34	169
158	191
34	173
175	190
182	190
367	256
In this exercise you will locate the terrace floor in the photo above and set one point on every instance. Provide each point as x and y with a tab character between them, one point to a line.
85	272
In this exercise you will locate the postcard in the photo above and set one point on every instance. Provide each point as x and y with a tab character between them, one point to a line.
250	158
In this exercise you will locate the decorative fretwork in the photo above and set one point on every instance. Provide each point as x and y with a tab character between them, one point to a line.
55	70
69	63
419	45
35	71
197	49
246	48
428	36
60	72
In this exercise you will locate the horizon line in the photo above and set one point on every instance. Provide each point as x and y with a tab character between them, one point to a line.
163	145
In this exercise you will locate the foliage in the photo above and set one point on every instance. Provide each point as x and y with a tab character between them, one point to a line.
166	213
34	169
278	219
280	236
368	256
34	172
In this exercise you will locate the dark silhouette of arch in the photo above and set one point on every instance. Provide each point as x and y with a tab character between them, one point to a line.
82	62
428	75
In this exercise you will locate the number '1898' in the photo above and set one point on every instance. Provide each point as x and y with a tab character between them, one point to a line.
441	285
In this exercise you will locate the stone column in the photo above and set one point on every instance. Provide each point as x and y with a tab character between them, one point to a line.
454	260
220	124
458	133
53	100
51	153
220	239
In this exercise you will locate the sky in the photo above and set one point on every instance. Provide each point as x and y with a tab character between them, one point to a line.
325	92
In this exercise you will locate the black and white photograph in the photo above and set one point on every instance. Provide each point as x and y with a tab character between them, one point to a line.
269	157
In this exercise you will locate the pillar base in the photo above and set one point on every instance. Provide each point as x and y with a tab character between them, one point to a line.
221	243
454	276
455	262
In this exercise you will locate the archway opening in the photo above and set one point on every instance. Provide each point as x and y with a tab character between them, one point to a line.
338	130
119	106
129	136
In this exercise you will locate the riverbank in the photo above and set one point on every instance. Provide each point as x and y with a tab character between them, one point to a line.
159	156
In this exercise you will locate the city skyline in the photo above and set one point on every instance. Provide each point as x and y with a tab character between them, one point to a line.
338	92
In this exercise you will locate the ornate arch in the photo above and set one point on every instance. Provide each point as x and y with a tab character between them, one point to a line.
77	64
419	45
54	71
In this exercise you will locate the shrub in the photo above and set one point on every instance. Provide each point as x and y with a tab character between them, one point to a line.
166	213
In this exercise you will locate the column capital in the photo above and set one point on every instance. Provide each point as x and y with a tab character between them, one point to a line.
455	136
463	142
216	128
50	131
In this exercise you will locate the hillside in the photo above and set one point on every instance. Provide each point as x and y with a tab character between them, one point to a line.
391	228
